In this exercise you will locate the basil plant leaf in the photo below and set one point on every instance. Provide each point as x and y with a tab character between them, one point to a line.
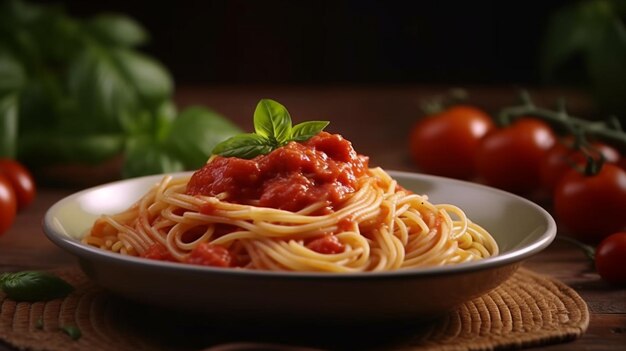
72	331
110	85
149	78
243	146
564	37
195	132
306	130
34	286
272	120
67	148
12	75
101	92
165	116
118	29
8	125
144	156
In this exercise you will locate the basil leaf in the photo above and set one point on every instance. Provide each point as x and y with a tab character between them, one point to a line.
117	29
8	125
21	11
37	110
272	120
110	85
590	34
61	147
72	331
243	146
196	132
12	75
563	38
101	93
145	156
306	130
165	117
156	121
34	286
145	75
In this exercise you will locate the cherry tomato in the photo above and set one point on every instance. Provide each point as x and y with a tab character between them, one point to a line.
561	158
8	204
445	144
592	207
510	158
622	163
21	180
611	258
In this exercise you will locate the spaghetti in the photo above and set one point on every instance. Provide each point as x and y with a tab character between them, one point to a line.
312	206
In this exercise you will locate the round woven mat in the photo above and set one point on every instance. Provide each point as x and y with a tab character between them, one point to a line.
527	310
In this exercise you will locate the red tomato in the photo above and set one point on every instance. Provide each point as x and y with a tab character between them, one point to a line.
510	158
445	144
611	258
622	163
8	204
561	158
592	207
21	180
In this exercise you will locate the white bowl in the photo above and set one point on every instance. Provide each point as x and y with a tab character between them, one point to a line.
520	227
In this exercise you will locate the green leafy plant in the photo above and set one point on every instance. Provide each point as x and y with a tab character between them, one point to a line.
79	91
34	286
587	40
273	129
72	331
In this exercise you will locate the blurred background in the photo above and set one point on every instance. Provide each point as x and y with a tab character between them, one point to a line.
343	42
84	82
549	43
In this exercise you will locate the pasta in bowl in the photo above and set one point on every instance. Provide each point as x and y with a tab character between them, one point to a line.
291	222
312	206
520	227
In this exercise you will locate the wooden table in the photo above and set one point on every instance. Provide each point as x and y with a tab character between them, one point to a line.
377	121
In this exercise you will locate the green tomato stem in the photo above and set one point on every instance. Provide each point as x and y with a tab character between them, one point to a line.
589	251
609	130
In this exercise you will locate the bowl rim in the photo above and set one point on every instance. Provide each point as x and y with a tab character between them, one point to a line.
83	251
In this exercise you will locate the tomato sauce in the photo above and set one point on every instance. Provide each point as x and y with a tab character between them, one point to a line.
211	255
326	244
159	252
323	168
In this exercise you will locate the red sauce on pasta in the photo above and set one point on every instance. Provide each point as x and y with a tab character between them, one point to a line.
211	255
326	244
158	252
323	168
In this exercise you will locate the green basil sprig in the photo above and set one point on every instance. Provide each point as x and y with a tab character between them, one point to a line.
72	331
34	286
273	129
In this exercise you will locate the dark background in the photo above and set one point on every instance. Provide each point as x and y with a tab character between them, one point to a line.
340	42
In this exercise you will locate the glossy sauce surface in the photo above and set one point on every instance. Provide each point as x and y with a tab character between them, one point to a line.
323	168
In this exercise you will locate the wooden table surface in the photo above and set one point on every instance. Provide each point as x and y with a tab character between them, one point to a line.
377	121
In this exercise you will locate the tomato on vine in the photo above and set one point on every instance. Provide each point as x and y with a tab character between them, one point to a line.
610	258
21	180
622	163
592	206
510	158
564	156
445	144
8	204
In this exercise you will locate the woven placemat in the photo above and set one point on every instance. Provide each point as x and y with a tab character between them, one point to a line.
527	310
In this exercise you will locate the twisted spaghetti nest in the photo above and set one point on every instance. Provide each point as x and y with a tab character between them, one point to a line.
381	227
